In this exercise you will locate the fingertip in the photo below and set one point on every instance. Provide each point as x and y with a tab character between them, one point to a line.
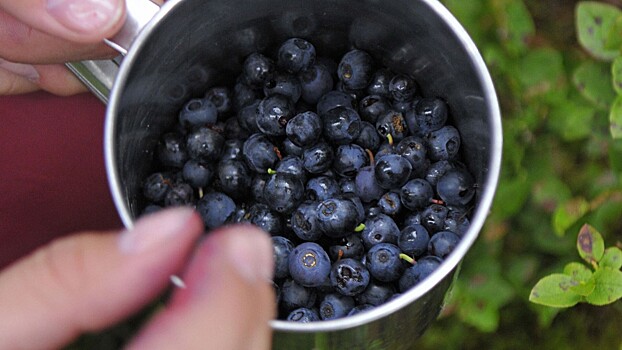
87	20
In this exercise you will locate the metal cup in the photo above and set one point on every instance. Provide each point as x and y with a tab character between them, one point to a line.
176	51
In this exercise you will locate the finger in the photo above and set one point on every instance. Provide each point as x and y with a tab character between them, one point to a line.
20	42
58	80
228	300
89	281
14	81
85	21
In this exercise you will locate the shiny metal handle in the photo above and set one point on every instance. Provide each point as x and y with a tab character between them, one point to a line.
99	75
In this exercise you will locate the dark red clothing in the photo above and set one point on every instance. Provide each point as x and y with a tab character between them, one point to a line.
52	175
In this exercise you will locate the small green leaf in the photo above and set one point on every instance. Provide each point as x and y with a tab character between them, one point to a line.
590	244
608	286
554	290
593	80
572	120
613	40
594	22
568	214
515	24
615	118
582	281
616	73
611	258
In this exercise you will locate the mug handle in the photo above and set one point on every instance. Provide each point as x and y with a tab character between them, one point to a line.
99	75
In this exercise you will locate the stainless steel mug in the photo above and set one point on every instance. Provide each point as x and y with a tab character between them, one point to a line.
174	52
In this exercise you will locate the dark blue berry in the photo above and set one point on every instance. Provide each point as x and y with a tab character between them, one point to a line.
180	194
402	88
172	150
303	315
392	171
360	308
322	188
309	264
198	112
304	129
273	114
372	107
295	295
355	69
282	248
392	124
436	170
416	194
295	55
379	229
259	153
221	97
334	99
375	294
257	185
349	277
335	305
304	222
429	114
350	246
156	186
367	186
205	144
232	149
379	84
413	240
215	209
283	84
443	243
456	187
444	143
318	158
457	222
349	159
243	95
384	262
247	116
260	215
283	192
368	137
341	125
257	68
337	217
433	217
413	148
234	178
418	272
315	82
390	203
292	165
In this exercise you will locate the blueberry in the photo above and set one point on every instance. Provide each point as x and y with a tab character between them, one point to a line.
360	308
198	112
282	248
334	99
456	187
349	159
436	170
304	129
375	294
379	229
221	97
390	203
257	68
372	107
156	186
350	246
337	217
258	183
292	165
392	124
309	264
349	276
205	144
232	149
384	262
433	217
283	192
416	194
304	222
303	315
347	185
444	143
413	240
259	153
367	186
413	148
233	130
322	188
355	69
234	178
247	116
288	147
402	87
295	55
413	218
260	215
273	114
368	137
379	84
295	295
180	194
172	150
392	171
315	82
341	125
443	243
215	209
418	272
457	222
318	158
243	95
283	84
335	305
429	114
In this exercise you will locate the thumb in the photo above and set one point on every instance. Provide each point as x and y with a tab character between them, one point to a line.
228	300
89	281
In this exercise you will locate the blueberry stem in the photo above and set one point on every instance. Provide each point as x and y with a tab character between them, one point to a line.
407	258
278	152
390	138
271	171
437	201
200	192
359	228
372	161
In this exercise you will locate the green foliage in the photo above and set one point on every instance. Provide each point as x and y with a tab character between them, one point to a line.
578	283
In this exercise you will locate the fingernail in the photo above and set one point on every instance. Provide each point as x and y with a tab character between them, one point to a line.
85	16
25	70
155	230
249	250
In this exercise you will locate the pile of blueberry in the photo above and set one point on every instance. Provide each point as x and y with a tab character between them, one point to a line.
356	175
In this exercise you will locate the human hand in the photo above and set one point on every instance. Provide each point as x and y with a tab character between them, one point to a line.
37	37
89	281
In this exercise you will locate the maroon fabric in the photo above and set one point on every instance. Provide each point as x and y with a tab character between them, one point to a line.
52	175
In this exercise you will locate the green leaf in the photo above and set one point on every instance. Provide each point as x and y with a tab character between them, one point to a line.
616	74
554	290
590	244
582	281
594	22
611	258
510	197
615	118
515	24
568	214
613	41
608	286
541	73
593	80
572	120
